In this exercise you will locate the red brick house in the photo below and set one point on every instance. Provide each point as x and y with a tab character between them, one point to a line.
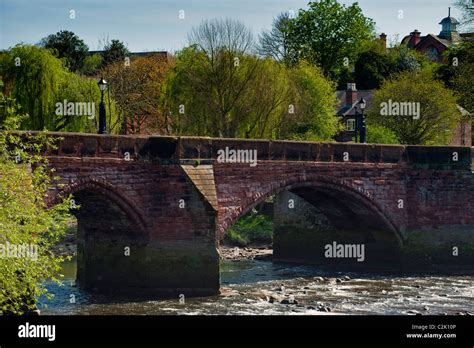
434	45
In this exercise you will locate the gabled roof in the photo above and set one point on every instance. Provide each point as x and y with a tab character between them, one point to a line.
349	110
423	40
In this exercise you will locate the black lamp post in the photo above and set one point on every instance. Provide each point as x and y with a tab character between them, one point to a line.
102	120
360	123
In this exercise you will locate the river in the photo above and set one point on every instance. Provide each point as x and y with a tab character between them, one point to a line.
252	287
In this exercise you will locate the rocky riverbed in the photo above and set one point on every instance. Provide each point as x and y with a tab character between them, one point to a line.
255	287
262	252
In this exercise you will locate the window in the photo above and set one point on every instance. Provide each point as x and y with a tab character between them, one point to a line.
433	54
350	125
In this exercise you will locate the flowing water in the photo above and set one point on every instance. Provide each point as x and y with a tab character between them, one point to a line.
258	287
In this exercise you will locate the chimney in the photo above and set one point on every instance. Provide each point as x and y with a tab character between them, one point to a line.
351	94
383	40
415	38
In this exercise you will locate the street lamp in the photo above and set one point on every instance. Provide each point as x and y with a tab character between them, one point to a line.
361	121
102	120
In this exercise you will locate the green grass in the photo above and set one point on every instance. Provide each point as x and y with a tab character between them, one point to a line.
252	228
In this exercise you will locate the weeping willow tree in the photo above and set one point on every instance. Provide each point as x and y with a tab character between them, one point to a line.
34	77
38	81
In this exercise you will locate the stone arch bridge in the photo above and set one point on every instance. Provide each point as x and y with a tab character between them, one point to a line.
169	201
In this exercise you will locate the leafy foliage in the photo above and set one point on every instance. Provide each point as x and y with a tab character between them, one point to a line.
114	51
374	65
220	88
457	74
329	32
314	101
92	65
137	91
24	217
38	81
438	110
377	134
66	44
249	229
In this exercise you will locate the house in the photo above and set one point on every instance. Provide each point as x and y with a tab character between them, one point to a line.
434	45
347	108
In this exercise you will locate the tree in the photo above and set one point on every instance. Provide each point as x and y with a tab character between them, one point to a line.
457	73
274	43
467	9
405	59
34	76
438	113
280	102
24	219
377	134
114	51
213	74
313	100
329	35
219	88
374	65
137	91
92	65
371	68
38	80
66	44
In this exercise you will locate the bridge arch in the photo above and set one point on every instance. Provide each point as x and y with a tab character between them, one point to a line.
108	191
327	214
358	201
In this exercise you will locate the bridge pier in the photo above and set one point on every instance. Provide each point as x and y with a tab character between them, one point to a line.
116	256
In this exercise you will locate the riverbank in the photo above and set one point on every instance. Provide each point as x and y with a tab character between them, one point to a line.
261	252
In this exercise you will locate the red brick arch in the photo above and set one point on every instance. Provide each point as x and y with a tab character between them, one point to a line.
111	193
314	182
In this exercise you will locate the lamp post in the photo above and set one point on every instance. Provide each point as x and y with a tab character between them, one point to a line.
102	120
361	121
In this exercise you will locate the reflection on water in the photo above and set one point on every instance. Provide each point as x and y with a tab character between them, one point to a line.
247	287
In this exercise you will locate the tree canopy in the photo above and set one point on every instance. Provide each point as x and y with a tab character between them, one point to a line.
66	44
114	51
329	35
137	92
37	80
274	43
220	88
438	113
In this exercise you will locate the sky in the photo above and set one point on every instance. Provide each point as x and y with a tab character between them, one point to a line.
149	25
